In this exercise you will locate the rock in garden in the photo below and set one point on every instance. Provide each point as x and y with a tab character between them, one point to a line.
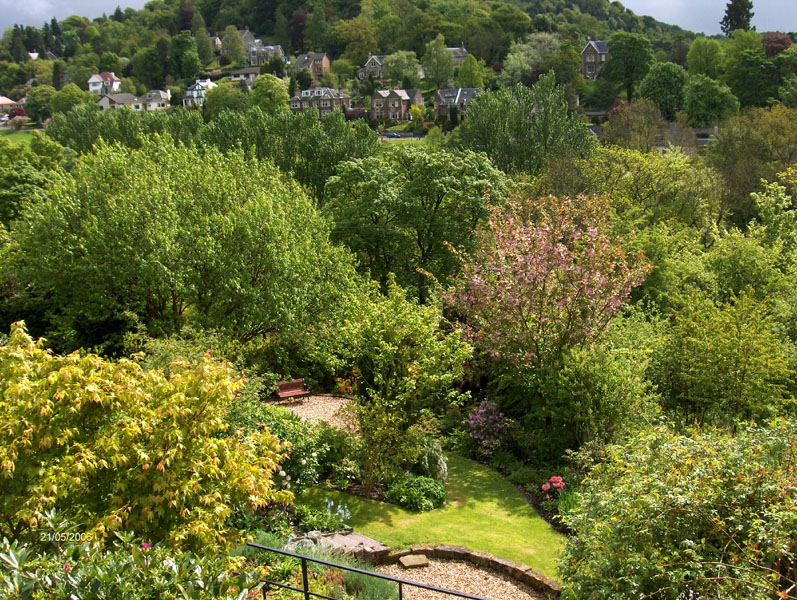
414	561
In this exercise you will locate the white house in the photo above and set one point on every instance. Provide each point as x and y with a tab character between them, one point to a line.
195	93
104	83
153	100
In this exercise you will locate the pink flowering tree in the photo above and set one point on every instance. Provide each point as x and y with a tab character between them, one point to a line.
550	277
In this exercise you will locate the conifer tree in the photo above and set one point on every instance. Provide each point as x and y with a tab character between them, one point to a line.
738	14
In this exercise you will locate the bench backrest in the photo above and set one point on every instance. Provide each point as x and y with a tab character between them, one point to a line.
287	386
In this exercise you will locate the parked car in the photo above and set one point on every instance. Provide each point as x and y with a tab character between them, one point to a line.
4	118
393	134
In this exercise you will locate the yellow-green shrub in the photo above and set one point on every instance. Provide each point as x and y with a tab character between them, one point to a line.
116	447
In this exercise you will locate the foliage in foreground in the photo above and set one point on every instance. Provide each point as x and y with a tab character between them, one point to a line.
708	513
114	447
126	570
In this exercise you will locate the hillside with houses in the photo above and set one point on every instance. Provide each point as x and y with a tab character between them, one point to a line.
369	299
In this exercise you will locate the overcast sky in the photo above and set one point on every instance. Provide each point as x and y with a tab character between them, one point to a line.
705	15
694	15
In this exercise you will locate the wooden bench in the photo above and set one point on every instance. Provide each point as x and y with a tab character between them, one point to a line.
292	389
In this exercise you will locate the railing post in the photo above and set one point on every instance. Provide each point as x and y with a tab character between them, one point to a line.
265	591
305	583
401	594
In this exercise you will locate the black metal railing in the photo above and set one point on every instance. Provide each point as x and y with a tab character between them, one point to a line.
305	589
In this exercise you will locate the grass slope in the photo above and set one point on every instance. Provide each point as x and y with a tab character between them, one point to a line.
21	137
484	512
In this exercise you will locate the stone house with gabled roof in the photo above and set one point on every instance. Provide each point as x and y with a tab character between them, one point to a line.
460	98
260	54
593	57
322	98
316	62
394	105
459	54
373	67
247	38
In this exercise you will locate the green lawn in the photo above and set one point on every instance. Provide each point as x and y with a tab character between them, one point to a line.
484	512
402	141
22	137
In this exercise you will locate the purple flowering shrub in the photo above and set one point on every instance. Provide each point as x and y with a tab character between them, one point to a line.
485	426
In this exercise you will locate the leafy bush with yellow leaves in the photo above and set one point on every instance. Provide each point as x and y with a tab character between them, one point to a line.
115	447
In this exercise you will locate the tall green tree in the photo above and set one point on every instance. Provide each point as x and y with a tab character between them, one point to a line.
223	97
270	94
664	84
204	46
68	96
632	56
520	128
402	66
525	61
232	45
705	58
751	78
37	105
58	74
707	101
397	211
471	73
317	29
438	63
282	32
185	56
738	15
359	38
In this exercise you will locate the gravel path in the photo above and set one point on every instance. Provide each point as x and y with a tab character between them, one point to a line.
460	577
323	407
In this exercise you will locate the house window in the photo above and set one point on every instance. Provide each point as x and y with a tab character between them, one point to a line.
590	58
603	58
378	104
590	69
325	103
394	104
295	104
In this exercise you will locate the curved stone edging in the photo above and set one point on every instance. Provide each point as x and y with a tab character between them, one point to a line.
518	572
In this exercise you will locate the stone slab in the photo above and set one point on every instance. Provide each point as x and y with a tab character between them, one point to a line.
414	561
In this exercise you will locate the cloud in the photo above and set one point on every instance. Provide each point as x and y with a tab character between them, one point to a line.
29	12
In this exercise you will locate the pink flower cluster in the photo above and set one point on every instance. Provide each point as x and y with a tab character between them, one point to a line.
555	484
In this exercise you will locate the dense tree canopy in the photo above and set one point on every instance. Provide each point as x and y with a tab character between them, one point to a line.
632	56
399	211
157	216
664	84
520	128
